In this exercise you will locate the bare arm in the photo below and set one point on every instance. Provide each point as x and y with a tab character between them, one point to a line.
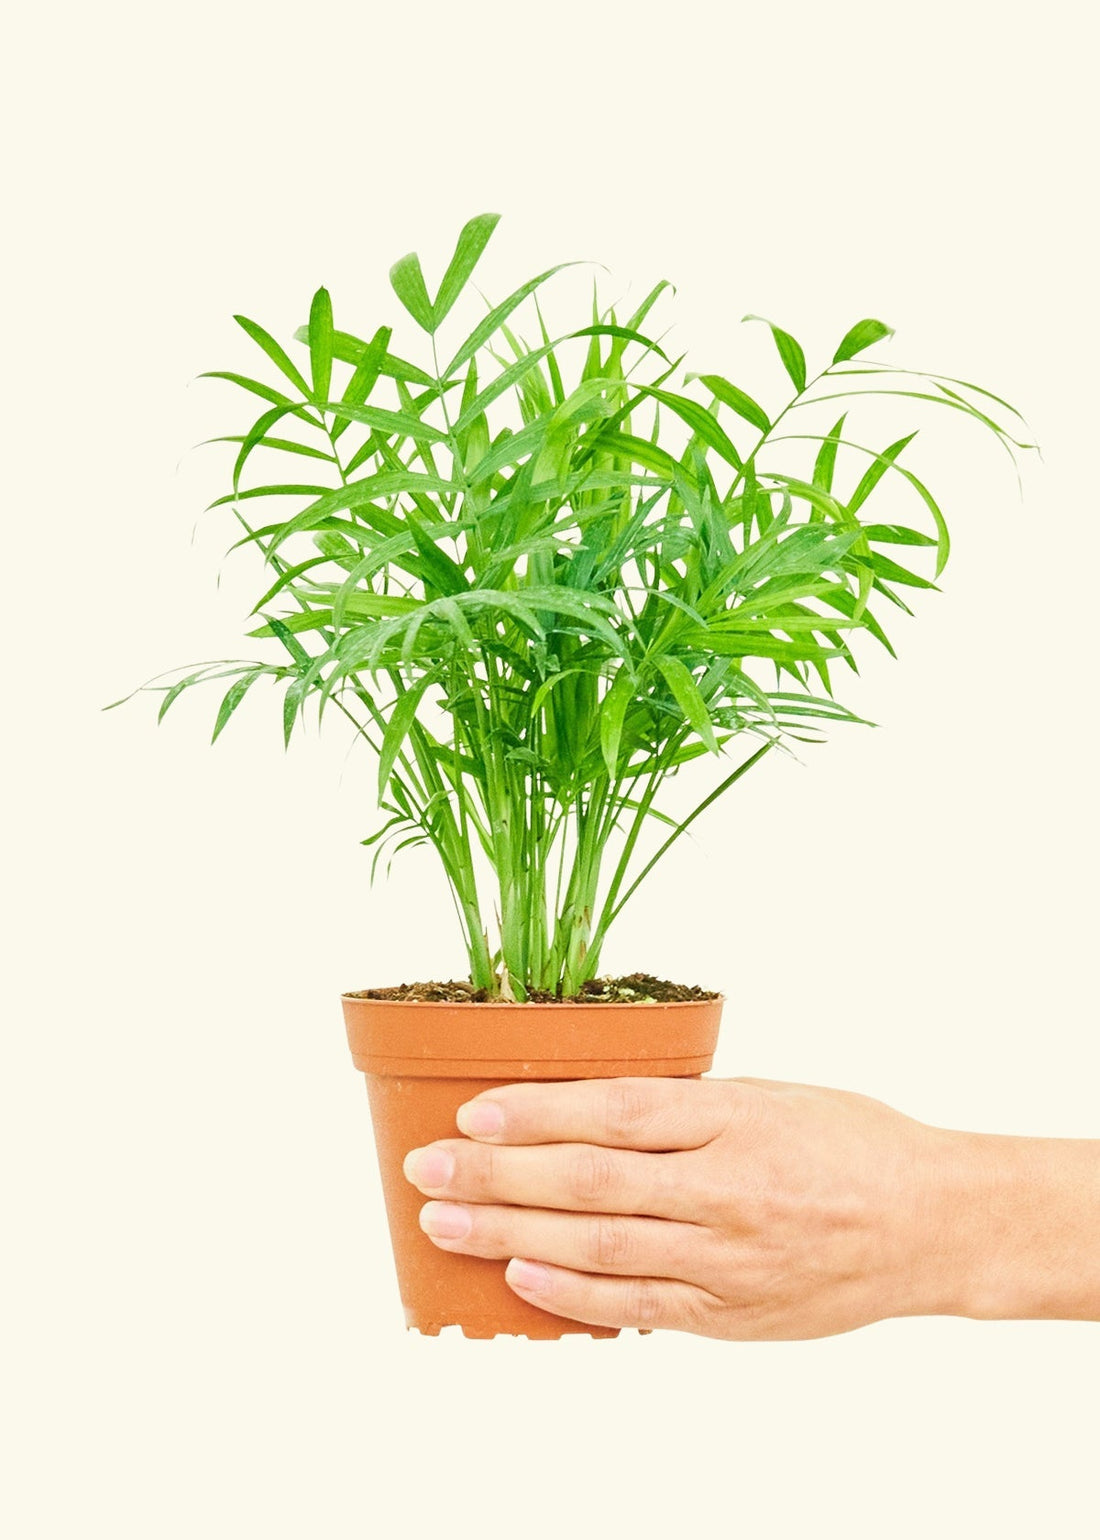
1027	1215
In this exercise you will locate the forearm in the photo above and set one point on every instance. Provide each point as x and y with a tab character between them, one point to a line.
1019	1228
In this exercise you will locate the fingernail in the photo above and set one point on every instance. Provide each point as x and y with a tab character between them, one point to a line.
481	1118
529	1277
445	1221
429	1168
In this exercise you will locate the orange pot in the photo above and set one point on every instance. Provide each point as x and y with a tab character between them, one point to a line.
423	1060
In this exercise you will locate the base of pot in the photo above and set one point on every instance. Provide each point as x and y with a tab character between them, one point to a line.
487	1327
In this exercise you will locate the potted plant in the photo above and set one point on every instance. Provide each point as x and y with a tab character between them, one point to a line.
537	580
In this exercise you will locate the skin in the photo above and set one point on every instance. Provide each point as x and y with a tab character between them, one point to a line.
752	1209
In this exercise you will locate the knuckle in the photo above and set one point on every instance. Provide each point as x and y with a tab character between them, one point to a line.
593	1175
626	1110
479	1170
609	1245
701	1312
643	1303
487	1235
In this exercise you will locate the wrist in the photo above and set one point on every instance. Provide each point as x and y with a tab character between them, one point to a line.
1013	1227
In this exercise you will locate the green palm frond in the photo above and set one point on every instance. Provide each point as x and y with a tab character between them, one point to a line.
535	611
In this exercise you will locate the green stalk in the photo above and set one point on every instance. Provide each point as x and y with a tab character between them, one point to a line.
610	912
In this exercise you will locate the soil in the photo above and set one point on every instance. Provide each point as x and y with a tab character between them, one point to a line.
635	988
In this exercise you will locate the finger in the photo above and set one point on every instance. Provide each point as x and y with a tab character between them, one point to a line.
575	1177
647	1303
631	1113
623	1245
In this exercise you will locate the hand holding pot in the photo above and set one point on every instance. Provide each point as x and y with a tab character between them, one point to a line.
756	1209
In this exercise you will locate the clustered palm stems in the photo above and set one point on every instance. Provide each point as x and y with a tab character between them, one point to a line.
534	623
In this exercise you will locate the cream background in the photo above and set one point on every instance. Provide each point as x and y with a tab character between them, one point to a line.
201	1331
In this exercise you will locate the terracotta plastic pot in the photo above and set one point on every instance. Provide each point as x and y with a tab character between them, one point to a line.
423	1060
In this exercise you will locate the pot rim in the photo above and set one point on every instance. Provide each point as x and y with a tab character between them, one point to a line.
531	1039
546	1005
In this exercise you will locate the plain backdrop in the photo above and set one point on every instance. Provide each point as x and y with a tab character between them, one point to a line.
202	1334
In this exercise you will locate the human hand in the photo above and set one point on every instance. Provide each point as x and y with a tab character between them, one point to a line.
730	1208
